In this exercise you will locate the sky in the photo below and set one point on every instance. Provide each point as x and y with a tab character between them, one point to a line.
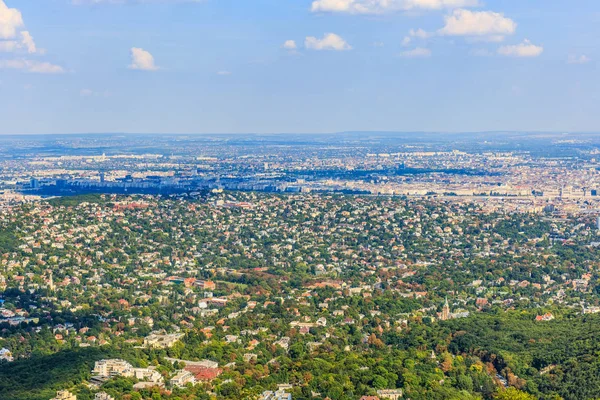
301	66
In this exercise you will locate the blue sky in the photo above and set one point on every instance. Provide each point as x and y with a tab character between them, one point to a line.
211	66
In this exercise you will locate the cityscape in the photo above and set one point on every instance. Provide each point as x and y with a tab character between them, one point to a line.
299	200
267	268
542	167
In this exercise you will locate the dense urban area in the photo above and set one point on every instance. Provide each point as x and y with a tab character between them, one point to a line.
353	266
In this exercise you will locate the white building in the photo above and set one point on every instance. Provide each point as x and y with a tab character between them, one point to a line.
103	396
278	395
118	367
183	378
162	341
390	394
6	355
113	367
64	395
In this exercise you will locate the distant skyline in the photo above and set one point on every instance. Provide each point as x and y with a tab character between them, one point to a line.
298	66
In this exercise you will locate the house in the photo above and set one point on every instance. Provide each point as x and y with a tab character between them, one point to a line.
147	374
64	395
183	378
217	301
545	317
481	302
390	394
304	330
580	285
162	341
113	367
232	339
284	342
278	395
6	355
118	367
147	385
103	396
204	374
206	285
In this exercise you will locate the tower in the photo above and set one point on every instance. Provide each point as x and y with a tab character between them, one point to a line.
445	311
51	282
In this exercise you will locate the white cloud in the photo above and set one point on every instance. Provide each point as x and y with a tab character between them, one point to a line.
330	41
290	45
486	39
33	66
477	23
224	73
8	46
27	41
142	60
418	52
525	49
420	33
16	39
383	6
10	21
475	26
575	59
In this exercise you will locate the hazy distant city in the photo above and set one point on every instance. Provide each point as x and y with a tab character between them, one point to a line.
517	171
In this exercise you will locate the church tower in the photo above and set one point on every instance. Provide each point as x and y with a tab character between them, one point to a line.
445	311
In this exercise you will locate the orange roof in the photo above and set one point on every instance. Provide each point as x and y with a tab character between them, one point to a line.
204	373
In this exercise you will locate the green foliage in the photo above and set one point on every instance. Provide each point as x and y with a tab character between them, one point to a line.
514	394
39	377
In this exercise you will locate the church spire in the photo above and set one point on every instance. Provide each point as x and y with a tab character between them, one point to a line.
445	311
